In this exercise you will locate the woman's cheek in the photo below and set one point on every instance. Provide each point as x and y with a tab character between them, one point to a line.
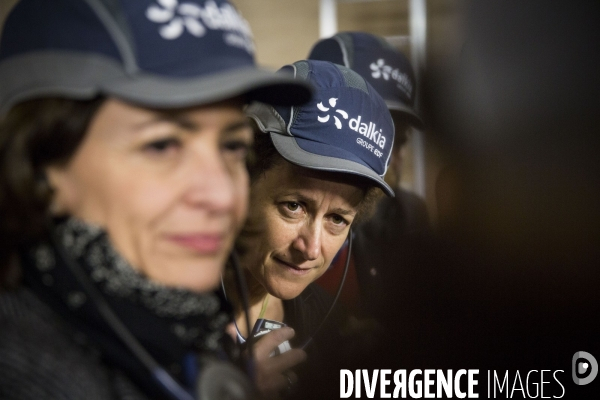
242	198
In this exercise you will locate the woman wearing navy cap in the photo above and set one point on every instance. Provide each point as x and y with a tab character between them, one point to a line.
317	169
122	187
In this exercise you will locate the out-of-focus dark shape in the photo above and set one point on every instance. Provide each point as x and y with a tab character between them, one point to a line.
517	273
512	281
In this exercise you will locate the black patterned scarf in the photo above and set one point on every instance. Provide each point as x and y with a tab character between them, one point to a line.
172	324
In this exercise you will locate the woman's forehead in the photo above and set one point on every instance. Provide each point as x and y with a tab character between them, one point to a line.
308	185
116	117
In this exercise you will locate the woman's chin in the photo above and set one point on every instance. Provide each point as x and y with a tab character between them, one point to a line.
286	292
203	285
196	278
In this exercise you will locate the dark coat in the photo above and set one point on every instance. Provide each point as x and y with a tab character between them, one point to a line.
41	357
387	250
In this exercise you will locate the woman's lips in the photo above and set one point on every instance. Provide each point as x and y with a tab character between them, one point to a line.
200	242
293	269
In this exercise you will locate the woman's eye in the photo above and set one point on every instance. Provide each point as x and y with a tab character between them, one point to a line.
293	206
238	147
160	146
291	209
336	219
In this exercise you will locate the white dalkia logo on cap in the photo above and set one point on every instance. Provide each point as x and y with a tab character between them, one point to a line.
177	17
332	103
367	129
381	70
197	19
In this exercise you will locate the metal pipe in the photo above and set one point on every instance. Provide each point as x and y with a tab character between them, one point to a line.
327	18
418	33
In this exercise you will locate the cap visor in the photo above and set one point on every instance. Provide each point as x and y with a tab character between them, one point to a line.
291	151
408	112
83	76
257	84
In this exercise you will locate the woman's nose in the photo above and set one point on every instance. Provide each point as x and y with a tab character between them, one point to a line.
308	241
211	182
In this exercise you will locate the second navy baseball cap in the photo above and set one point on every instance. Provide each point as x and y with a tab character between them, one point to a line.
345	128
376	60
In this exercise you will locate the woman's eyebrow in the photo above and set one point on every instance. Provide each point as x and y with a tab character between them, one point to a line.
302	198
343	211
188	124
237	125
177	119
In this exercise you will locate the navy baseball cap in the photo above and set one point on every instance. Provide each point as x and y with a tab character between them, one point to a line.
156	53
346	127
376	60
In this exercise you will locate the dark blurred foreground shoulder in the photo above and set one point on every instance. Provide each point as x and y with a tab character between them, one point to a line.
41	358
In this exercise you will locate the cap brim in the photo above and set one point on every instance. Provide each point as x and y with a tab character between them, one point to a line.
405	111
254	83
83	76
289	149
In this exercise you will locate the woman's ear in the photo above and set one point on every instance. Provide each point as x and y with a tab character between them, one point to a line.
64	193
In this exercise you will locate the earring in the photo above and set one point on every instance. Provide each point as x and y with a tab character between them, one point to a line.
42	189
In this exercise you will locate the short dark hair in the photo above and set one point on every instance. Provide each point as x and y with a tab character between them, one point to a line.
265	156
33	135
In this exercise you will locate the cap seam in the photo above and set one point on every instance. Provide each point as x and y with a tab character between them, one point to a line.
115	32
344	51
293	111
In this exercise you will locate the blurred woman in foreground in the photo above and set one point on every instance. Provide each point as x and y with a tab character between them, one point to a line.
123	186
